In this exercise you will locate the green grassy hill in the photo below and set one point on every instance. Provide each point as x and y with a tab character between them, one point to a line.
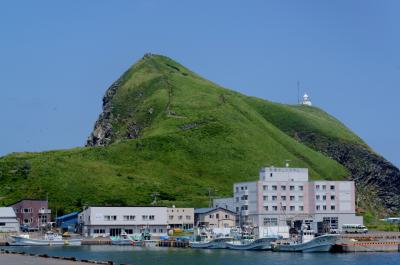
165	129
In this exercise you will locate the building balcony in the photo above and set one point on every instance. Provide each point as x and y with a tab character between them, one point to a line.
44	211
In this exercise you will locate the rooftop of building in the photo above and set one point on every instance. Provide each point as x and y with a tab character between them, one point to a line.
28	199
7	212
208	210
283	169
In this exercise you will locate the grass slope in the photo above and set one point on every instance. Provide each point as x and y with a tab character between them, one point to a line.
195	134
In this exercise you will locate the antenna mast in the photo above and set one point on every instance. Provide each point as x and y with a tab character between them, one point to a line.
298	92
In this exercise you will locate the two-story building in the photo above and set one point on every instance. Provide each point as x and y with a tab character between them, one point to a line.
132	220
285	195
32	214
214	217
182	218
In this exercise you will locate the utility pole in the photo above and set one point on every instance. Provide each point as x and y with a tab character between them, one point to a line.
154	196
209	197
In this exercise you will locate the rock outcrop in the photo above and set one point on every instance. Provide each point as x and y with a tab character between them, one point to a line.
371	172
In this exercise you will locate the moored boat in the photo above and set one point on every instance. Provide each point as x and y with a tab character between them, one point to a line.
322	243
252	244
213	243
50	239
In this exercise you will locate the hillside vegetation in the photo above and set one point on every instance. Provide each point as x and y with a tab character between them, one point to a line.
165	129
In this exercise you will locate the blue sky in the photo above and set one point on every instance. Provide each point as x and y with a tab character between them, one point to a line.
57	58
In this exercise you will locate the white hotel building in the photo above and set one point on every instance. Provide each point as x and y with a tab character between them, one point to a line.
112	221
283	195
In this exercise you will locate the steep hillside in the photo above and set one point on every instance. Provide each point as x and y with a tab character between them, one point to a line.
165	129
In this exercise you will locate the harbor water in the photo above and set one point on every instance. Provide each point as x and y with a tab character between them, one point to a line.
187	256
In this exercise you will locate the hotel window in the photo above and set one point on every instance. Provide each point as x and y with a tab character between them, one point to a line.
145	217
291	187
265	198
237	209
161	230
242	188
211	216
300	187
283	208
283	187
129	231
226	216
265	187
244	207
171	217
275	208
266	208
301	208
332	187
245	187
180	217
324	207
292	208
188	217
323	187
317	187
333	207
245	197
274	198
237	189
217	215
324	197
292	198
318	207
154	230
274	187
317	197
283	198
151	217
332	197
237	199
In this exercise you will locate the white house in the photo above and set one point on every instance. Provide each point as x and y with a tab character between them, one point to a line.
8	220
112	221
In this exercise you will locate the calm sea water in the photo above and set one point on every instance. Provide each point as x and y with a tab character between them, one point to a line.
176	256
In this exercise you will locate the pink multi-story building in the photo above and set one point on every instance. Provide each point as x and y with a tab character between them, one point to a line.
32	214
285	195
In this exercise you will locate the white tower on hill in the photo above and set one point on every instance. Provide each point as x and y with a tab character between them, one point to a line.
306	100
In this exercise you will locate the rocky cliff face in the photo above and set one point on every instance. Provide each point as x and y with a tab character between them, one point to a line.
374	175
103	129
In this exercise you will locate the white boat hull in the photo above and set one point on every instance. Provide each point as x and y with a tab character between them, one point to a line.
218	243
319	244
258	244
21	241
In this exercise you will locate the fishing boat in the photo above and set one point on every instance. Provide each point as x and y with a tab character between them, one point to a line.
213	243
308	243
252	244
49	239
122	240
